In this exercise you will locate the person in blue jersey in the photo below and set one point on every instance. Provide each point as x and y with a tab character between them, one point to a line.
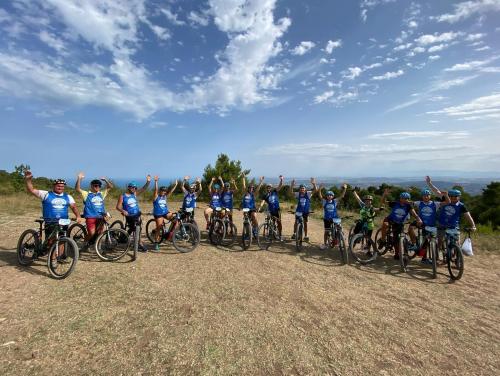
55	205
215	199
271	198
93	204
329	208
248	202
191	193
399	211
129	206
303	197
228	195
427	210
160	208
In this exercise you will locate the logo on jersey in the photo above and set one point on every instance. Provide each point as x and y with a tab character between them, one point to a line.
330	207
162	203
58	203
426	211
400	213
450	211
96	201
132	202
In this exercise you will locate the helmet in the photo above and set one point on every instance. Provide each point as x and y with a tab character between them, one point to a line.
226	184
454	193
302	186
163	188
368	197
96	182
132	184
405	195
425	192
330	193
216	186
269	185
59	181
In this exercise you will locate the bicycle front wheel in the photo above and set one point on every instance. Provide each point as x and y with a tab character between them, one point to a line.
344	256
455	260
230	233
185	237
112	245
63	255
403	253
362	249
216	232
246	235
298	237
27	247
264	236
432	255
385	246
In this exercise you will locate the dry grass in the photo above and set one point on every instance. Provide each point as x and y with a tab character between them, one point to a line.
217	311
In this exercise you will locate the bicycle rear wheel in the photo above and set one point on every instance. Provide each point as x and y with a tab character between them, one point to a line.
27	247
386	246
63	255
137	235
112	245
403	253
117	224
151	232
185	237
362	249
78	233
455	260
246	236
264	236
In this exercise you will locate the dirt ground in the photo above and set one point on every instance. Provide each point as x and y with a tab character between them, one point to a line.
224	311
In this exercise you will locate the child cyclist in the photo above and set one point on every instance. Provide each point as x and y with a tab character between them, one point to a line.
329	208
273	204
367	213
160	209
227	196
303	197
248	202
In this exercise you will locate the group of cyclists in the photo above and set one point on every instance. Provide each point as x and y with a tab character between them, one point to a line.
443	214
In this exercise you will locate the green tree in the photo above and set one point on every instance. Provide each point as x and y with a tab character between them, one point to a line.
486	209
225	168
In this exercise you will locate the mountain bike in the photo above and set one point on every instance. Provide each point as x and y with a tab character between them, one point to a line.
246	232
230	231
362	247
299	232
62	250
134	229
184	235
335	237
393	242
216	226
453	253
268	231
430	244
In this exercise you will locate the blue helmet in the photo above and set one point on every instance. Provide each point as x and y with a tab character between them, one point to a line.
330	193
226	184
454	193
405	195
216	186
132	184
425	192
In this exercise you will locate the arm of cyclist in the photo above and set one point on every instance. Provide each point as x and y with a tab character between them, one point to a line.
173	189
210	185
243	182
235	187
292	184
344	190
313	183
263	202
79	178
259	186
433	187
74	209
383	200
415	215
470	220
145	186
155	193
119	206
320	190
183	185
28	178
109	185
358	199
198	181
280	185
221	181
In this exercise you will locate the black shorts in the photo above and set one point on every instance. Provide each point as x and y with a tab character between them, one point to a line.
276	213
50	226
327	223
305	216
396	227
161	216
132	221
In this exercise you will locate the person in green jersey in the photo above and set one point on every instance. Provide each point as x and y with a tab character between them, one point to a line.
367	213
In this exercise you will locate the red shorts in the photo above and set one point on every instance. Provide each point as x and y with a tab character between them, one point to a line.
92	223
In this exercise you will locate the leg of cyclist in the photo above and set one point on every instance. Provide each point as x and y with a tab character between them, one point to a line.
159	224
255	224
385	227
305	216
91	224
208	214
326	224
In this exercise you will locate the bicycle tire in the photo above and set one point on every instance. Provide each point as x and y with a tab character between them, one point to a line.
185	238
386	247
151	231
216	231
403	253
230	234
264	236
414	251
29	241
344	256
65	263
137	234
432	254
351	232
117	224
246	236
358	247
78	233
455	261
298	237
112	244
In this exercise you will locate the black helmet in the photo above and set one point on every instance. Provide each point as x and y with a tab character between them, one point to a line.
163	188
59	181
96	182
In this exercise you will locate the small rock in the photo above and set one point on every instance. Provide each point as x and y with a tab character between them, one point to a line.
9	343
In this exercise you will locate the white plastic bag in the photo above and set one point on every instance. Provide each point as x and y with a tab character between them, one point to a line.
467	247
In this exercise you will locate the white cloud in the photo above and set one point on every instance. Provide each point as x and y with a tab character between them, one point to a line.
388	75
454	135
372	66
473	37
427	39
466	9
52	41
403	47
370	4
303	48
172	17
352	73
323	97
437	48
484	48
448	84
470	65
202	19
331	45
412	24
482	108
434	57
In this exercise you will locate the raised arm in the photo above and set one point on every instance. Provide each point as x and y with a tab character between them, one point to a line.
280	185
79	178
145	186
432	186
261	205
260	185
356	196
198	181
344	190
186	178
383	200
292	184
243	182
235	187
313	182
173	189
210	184
28	178
109	185
155	193
320	195
221	181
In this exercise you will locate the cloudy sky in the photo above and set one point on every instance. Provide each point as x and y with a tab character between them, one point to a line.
319	87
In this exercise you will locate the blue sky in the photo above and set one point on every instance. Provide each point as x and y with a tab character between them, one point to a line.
328	88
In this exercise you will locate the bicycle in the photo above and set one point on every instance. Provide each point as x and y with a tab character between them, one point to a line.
335	237
230	231
183	234
430	243
134	230
299	232
246	232
362	247
453	253
62	250
268	231
216	226
391	243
